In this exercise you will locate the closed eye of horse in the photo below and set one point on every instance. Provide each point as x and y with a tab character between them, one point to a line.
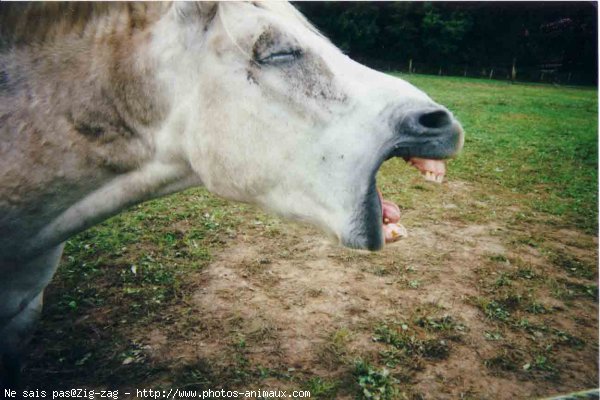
106	105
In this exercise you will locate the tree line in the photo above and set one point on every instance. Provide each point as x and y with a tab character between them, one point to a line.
529	41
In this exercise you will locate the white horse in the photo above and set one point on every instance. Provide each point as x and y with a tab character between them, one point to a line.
106	105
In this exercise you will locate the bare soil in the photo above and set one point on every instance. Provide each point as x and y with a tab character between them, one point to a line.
287	295
282	307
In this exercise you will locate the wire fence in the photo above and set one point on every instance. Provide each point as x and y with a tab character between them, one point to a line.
553	73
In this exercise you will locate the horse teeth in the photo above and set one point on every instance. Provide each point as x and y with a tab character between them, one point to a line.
432	176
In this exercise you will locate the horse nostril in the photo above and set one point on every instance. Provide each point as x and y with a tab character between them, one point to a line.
435	119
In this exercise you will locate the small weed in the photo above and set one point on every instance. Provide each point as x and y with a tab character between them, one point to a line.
542	363
378	270
495	310
563	289
567	339
431	348
524	323
321	389
505	361
410	269
134	354
376	384
572	265
414	284
335	351
537	308
525	240
492	335
393	357
511	301
502	280
444	323
525	273
500	259
240	371
560	337
198	375
385	334
434	349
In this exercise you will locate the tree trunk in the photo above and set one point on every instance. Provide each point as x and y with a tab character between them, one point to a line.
440	72
491	73
410	66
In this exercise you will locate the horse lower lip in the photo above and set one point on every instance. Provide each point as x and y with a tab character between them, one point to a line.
390	214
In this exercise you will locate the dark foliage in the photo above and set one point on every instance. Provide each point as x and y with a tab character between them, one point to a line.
545	41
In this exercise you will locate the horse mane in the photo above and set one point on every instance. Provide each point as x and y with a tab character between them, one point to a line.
30	22
23	23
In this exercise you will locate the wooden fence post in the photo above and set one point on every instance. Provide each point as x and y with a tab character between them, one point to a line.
513	74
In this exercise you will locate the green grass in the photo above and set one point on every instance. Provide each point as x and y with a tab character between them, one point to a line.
124	273
538	141
530	158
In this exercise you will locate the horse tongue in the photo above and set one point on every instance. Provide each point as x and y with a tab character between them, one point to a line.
391	212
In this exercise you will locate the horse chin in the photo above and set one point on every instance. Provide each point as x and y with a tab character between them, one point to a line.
372	212
365	230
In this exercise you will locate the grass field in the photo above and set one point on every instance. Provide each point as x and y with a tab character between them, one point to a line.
492	296
539	141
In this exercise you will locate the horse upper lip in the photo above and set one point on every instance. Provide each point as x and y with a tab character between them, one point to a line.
437	148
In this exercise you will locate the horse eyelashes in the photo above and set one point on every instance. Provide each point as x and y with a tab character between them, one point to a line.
282	57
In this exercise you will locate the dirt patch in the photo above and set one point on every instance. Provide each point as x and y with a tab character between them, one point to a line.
480	301
288	296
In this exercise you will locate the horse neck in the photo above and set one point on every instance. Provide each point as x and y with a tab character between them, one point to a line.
92	86
75	114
